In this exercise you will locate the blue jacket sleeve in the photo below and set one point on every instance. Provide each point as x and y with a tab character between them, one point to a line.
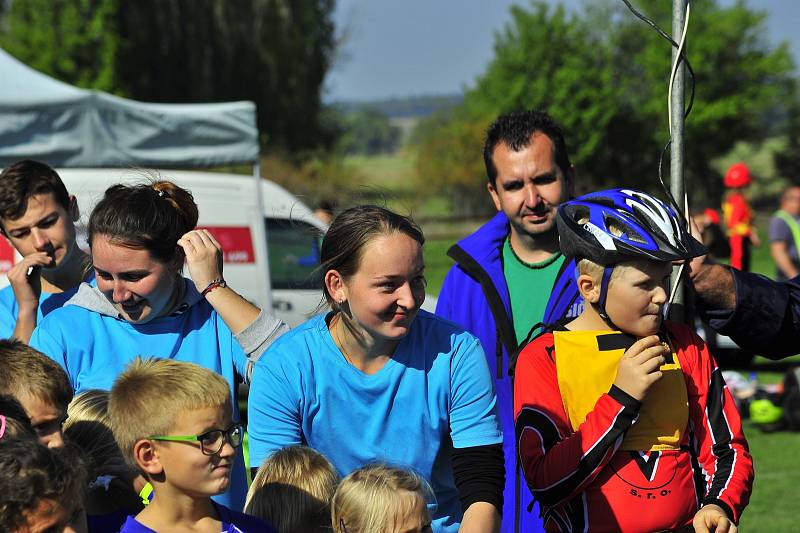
444	303
473	411
461	300
274	407
767	315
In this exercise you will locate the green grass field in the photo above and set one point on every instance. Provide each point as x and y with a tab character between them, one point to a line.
777	463
392	172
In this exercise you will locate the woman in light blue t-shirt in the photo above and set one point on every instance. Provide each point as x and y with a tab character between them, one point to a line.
140	238
377	379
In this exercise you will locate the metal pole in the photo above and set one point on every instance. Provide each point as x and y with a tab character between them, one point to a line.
677	310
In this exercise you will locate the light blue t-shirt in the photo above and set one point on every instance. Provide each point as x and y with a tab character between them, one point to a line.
434	394
94	349
9	310
7	323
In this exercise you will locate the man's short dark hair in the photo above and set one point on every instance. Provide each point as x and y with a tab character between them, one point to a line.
515	129
24	179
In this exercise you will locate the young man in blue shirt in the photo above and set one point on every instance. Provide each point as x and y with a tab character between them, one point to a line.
37	216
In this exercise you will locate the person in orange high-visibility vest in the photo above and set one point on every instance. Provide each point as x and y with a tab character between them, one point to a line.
739	216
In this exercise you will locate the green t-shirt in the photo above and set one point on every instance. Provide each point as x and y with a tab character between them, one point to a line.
529	285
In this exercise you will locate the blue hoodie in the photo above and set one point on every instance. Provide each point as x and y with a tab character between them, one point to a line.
475	296
94	345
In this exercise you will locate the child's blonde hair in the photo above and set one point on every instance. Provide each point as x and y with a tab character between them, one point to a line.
370	499
151	394
88	426
293	489
595	270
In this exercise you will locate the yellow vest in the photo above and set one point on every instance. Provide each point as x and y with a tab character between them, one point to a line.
586	365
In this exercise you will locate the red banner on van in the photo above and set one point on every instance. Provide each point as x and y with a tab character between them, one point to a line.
6	256
236	242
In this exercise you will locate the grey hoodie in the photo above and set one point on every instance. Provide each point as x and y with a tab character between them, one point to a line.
254	339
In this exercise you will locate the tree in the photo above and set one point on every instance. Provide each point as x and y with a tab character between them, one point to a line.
73	40
603	75
544	59
787	160
273	52
449	162
368	131
741	78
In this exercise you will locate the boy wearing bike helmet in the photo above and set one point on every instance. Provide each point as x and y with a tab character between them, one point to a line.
623	421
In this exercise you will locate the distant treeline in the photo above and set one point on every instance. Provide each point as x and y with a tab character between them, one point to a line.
406	107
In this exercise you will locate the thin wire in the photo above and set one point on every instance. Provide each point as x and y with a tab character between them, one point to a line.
675	64
677	61
676	285
682	56
674	290
679	57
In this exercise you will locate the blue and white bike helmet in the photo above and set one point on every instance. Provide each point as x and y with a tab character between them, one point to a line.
617	225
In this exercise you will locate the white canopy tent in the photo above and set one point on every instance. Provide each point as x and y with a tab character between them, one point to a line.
64	126
45	119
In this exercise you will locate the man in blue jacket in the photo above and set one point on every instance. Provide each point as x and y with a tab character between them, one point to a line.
500	287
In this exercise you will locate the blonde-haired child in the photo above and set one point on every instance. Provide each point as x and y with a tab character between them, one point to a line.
115	489
173	421
381	499
293	489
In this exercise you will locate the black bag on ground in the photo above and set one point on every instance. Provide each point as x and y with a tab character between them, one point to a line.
791	398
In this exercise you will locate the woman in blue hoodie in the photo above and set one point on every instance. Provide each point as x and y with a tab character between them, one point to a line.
140	236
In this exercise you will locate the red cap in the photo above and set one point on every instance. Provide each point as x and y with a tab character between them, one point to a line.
738	175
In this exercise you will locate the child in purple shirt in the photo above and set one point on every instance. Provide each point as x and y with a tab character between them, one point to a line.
173	421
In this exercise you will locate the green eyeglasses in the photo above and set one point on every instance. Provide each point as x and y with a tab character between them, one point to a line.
211	442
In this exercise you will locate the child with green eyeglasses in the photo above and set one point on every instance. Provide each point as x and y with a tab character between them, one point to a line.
173	422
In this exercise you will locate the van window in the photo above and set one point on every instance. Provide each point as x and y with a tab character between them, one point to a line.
293	254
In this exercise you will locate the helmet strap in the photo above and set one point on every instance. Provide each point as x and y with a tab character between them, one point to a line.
600	306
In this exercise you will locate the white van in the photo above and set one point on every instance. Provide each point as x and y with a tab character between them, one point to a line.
228	208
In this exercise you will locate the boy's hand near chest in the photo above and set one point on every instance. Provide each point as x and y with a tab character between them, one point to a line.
639	367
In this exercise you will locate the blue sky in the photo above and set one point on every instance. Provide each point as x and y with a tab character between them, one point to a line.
416	47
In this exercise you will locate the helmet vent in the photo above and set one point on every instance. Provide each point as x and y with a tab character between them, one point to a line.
619	229
580	215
